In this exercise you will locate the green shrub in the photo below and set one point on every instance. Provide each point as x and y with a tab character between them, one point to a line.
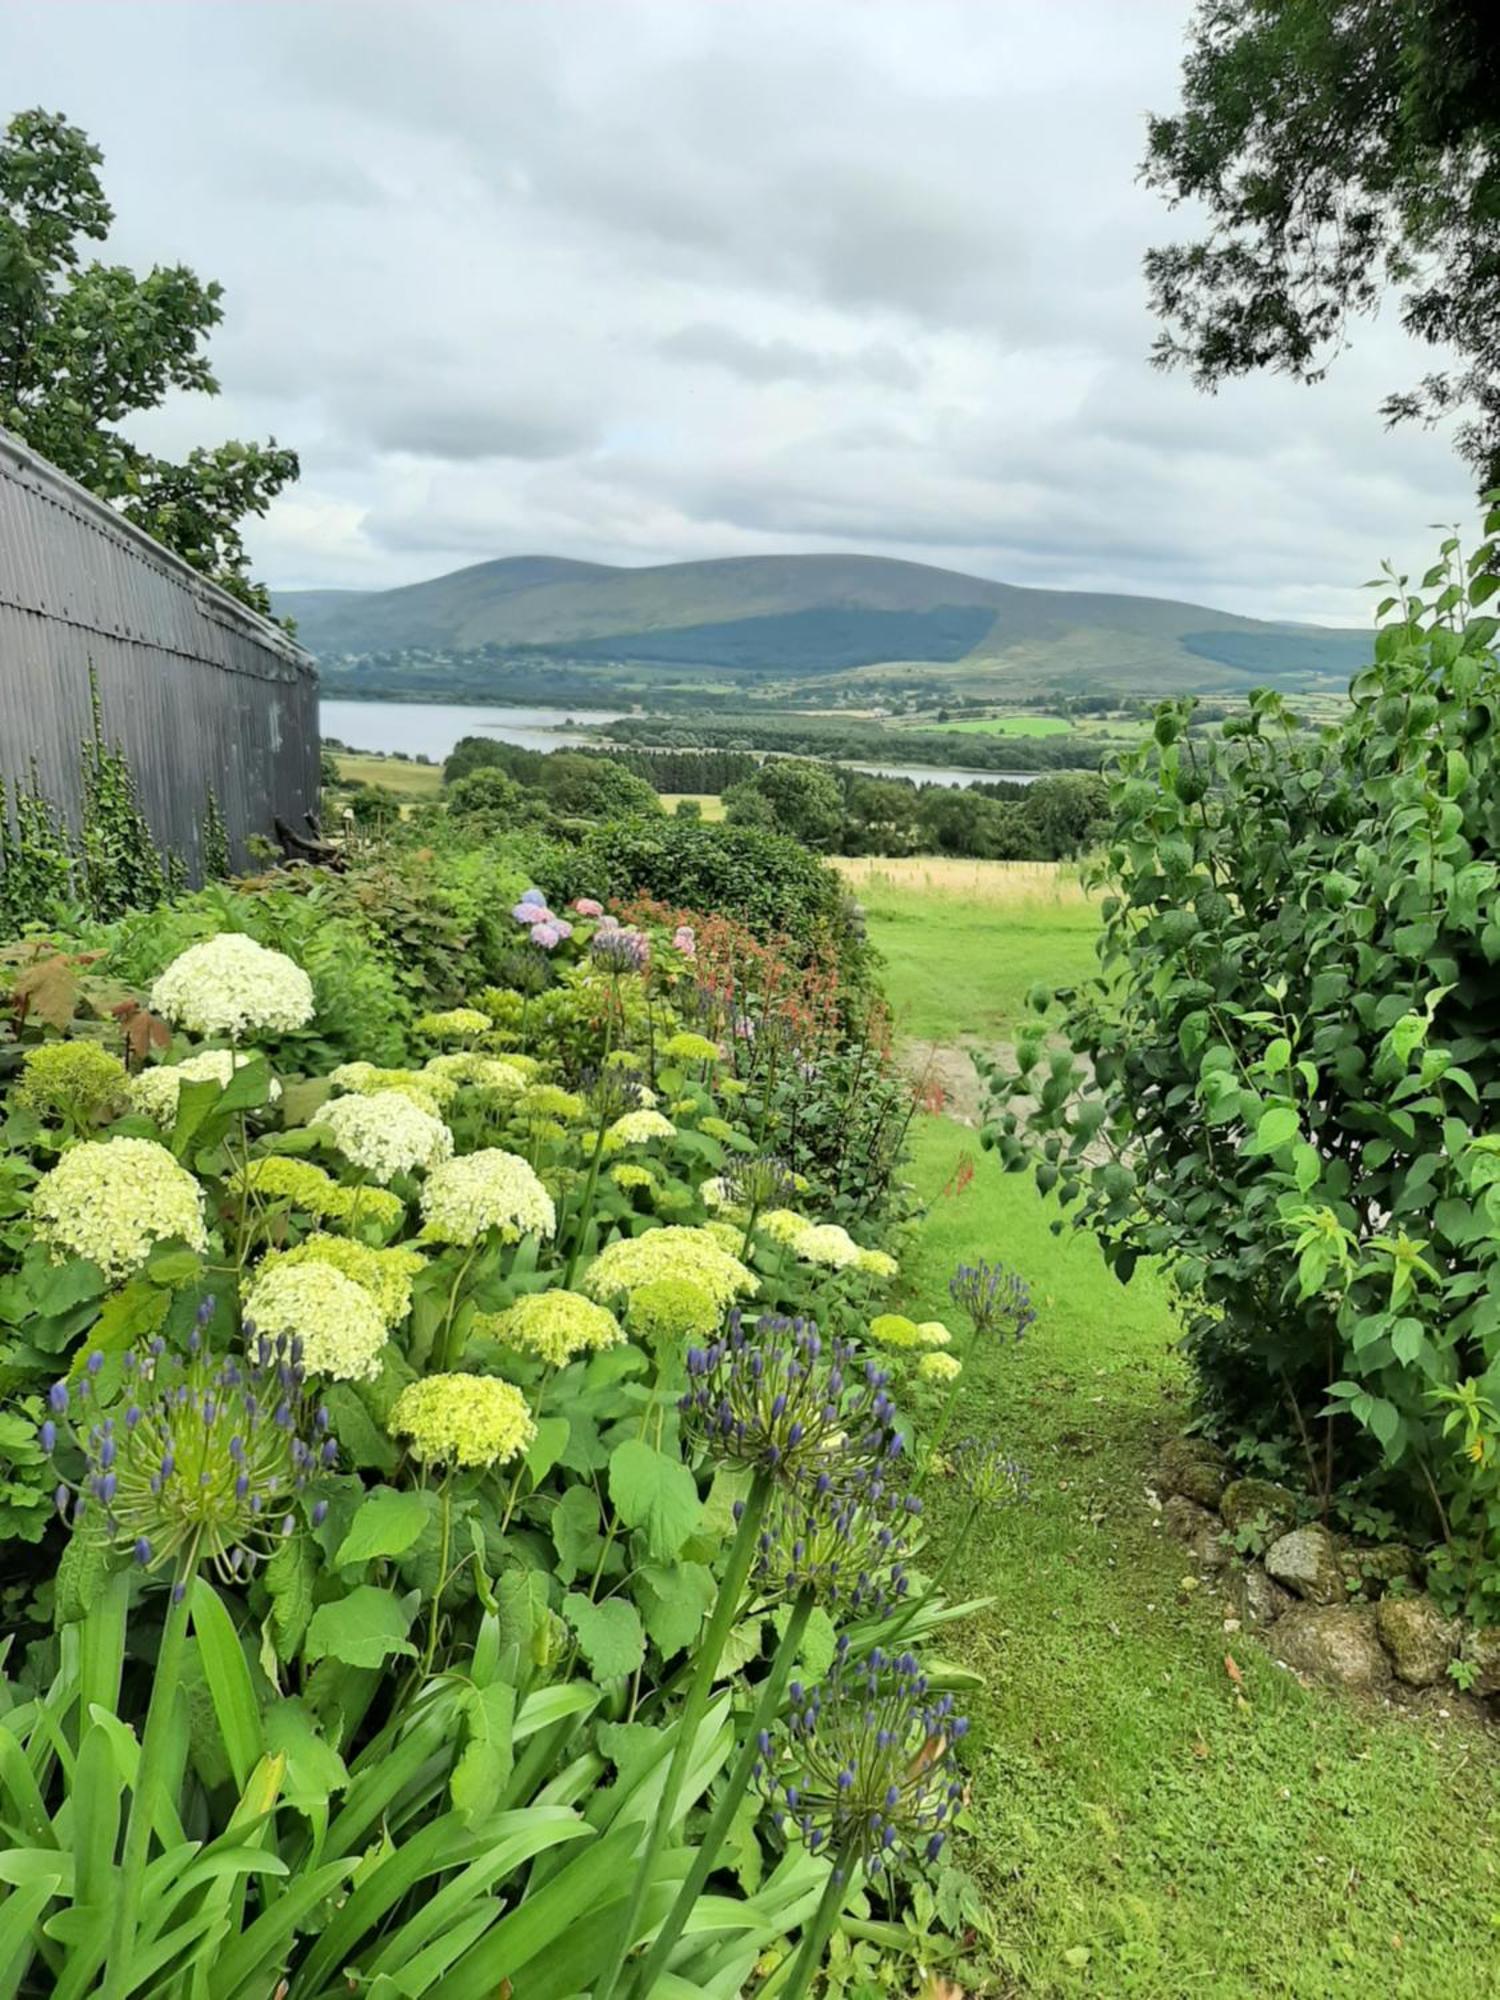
1295	1070
764	879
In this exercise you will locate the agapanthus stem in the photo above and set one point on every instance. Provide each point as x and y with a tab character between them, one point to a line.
694	1708
766	1711
815	1938
445	1545
165	1681
585	1209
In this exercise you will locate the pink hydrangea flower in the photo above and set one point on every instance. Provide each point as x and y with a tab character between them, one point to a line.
587	907
546	935
684	940
561	925
531	913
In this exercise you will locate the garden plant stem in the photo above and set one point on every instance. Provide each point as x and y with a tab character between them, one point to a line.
815	1939
739	1779
694	1708
165	1681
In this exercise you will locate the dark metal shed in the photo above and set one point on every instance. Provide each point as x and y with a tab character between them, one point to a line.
203	694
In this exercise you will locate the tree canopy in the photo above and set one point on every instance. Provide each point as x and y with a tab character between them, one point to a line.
1340	148
84	346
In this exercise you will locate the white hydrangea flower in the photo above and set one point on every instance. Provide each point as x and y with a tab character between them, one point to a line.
638	1128
229	985
386	1134
827	1243
490	1189
113	1200
155	1091
338	1323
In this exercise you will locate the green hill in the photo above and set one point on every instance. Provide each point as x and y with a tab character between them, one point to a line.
830	619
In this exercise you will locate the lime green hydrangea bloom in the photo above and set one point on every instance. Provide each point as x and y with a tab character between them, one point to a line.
300	1184
934	1333
718	1197
471	1420
628	1175
638	1128
555	1326
76	1081
670	1312
454	1024
877	1263
670	1252
474	1071
716	1127
362	1079
784	1225
624	1059
827	1243
338	1323
937	1367
113	1200
728	1235
684	1107
230	986
688	1047
895	1330
550	1100
154	1092
385	1134
385	1274
730	1086
465	1198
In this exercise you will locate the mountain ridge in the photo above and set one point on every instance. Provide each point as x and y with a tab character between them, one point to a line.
805	617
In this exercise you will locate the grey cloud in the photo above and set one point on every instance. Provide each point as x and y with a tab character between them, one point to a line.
789	360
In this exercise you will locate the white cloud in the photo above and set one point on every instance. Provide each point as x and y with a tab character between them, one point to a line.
640	282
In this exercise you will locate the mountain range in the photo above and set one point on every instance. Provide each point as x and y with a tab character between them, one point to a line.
793	619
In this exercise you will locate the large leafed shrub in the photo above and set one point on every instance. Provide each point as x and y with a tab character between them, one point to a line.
1286	1081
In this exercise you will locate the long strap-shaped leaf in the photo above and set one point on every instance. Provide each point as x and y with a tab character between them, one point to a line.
229	1683
25	1814
18	1914
248	1968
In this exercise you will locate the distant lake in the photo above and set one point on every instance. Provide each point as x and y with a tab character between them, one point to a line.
431	728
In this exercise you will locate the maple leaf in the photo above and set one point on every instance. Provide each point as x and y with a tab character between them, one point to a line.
48	988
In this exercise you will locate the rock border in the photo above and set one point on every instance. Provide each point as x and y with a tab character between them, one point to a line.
1328	1606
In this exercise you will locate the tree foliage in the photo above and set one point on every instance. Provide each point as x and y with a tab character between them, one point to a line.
1340	147
84	346
1284	1082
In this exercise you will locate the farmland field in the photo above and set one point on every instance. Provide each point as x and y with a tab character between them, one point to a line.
1008	725
397	775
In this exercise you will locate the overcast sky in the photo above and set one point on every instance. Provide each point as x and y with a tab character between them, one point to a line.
641	282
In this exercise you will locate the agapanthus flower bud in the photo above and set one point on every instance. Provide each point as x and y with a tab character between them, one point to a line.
619	950
846	1543
865	1766
769	1393
210	1452
992	1297
987	1474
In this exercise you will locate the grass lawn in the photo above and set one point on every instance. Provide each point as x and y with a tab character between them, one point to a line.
709	803
964	941
1142	1827
1007	725
393	774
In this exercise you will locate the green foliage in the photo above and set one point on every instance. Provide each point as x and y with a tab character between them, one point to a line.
84	346
1293	1067
1338	151
215	848
789	796
764	879
119	866
36	858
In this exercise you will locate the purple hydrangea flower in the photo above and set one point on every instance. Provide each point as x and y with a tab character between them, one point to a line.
546	935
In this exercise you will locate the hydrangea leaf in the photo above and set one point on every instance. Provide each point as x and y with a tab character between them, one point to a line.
674	1600
387	1524
362	1629
289	1578
656	1494
575	1531
609	1634
479	1775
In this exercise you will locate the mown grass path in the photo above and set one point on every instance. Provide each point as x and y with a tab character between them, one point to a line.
1146	1825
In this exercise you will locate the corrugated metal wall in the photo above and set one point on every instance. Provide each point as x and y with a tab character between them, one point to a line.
203	695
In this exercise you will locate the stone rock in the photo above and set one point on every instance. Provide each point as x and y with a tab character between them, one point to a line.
1336	1643
1482	1651
1371	1569
1201	1532
1193	1468
1247	1502
1258	1600
1307	1562
1419	1639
